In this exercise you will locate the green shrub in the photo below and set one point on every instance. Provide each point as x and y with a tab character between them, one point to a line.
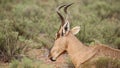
117	42
28	63
107	63
14	64
69	63
10	47
102	62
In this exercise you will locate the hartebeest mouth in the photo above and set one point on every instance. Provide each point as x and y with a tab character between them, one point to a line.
52	59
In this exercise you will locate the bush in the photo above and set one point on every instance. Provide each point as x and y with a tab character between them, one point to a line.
10	47
102	62
28	63
107	63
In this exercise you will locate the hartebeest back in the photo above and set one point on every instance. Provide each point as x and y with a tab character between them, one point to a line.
78	52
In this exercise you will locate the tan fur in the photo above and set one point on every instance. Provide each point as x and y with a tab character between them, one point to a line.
79	53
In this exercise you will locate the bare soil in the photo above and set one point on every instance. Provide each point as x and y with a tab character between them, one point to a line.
42	54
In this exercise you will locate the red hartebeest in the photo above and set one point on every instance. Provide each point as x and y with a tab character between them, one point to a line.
78	52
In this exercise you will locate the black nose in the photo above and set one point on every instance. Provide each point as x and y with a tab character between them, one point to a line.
52	59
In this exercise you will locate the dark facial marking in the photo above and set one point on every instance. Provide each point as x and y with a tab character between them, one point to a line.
66	28
62	33
58	35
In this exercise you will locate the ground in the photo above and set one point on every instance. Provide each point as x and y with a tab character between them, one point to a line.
59	63
42	55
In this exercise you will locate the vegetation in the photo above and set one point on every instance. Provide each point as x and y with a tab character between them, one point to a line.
31	24
107	63
103	62
28	63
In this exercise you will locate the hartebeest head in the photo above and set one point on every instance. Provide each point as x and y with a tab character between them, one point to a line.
61	44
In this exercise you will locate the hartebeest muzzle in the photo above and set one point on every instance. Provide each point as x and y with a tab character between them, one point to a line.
51	58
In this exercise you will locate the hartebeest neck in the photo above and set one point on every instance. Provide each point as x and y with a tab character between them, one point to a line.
75	48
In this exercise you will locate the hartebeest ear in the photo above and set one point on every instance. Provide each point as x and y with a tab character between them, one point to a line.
75	30
66	28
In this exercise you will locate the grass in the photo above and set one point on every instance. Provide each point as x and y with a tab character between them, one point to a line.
28	63
107	63
102	62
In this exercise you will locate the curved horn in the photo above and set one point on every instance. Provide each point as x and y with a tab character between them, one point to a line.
61	17
65	9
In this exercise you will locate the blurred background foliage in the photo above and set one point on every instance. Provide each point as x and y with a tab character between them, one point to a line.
36	21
